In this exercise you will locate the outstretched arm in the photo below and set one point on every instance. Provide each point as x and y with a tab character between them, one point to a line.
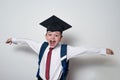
74	51
35	46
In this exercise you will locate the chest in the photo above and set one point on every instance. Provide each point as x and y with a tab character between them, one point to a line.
55	56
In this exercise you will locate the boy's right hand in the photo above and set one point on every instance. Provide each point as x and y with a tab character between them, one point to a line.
9	41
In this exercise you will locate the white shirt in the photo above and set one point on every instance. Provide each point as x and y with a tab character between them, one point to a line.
56	67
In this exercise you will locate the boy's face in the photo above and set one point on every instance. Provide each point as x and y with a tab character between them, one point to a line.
53	38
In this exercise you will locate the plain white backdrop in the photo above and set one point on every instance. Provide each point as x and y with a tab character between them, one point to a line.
96	23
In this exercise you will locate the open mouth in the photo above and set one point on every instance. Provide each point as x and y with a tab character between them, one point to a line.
52	43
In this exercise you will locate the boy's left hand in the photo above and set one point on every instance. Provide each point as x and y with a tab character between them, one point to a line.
109	51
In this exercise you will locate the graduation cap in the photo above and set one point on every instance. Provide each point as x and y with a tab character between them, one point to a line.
53	23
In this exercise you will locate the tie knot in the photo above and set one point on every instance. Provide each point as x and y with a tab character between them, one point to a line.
50	49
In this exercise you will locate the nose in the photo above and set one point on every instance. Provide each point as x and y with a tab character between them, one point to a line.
52	37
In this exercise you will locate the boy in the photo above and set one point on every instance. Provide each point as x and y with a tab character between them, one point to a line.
51	68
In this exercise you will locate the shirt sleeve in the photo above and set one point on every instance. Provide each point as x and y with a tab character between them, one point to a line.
75	51
30	43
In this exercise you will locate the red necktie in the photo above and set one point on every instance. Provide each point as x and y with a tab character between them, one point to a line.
48	63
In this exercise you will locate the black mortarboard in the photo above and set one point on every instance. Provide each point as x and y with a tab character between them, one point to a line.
55	24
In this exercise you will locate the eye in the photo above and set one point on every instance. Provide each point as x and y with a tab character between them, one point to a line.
49	34
56	35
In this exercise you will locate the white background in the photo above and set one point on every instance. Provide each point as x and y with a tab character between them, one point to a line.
96	23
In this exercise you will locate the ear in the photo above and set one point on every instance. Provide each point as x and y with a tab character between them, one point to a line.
61	38
46	36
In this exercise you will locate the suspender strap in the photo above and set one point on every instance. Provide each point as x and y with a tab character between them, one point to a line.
64	61
42	49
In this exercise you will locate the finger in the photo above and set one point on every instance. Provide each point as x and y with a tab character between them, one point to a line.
9	42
